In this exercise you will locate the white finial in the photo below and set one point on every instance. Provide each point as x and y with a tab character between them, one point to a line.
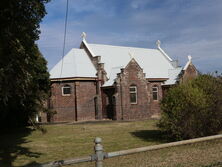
158	43
189	58
131	55
83	36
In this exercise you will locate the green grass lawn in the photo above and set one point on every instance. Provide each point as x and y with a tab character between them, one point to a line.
204	154
64	141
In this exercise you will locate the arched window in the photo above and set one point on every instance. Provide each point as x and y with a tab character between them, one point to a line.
155	92
66	90
133	94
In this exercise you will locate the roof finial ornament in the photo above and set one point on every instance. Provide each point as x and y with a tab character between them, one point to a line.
158	43
189	58
131	55
83	36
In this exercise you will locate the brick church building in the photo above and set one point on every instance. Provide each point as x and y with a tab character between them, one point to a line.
112	82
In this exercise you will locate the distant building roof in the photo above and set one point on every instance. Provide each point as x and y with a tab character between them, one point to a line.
76	63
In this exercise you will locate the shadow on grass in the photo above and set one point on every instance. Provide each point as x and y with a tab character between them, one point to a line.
99	122
150	135
11	147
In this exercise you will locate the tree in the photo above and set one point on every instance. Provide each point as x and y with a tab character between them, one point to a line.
24	80
193	109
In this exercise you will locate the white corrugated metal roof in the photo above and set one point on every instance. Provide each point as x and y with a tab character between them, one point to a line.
113	75
173	76
76	63
152	61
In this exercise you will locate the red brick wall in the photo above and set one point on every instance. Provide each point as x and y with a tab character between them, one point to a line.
83	91
64	106
132	75
189	73
155	104
86	92
105	103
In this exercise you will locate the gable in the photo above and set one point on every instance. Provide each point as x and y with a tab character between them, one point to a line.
189	73
133	65
134	70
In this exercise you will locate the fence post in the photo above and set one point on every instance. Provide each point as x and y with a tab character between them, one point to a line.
99	152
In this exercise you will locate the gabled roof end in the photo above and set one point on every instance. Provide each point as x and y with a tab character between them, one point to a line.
158	43
188	63
86	44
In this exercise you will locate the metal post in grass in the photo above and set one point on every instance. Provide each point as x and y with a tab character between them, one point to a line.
99	152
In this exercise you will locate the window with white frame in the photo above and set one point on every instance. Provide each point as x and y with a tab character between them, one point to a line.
133	94
155	92
66	90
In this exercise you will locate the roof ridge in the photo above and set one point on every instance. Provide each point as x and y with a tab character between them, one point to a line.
188	62
87	46
117	67
122	46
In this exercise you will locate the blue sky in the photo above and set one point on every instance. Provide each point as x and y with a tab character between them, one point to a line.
184	27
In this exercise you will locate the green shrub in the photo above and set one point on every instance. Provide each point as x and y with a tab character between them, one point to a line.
192	109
